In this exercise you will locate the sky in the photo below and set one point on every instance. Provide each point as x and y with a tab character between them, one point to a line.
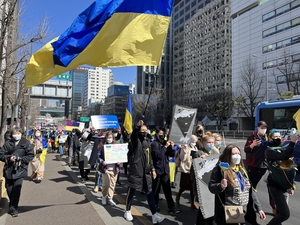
60	15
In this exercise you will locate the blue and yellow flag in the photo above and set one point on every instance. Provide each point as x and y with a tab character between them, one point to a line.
128	116
109	33
296	117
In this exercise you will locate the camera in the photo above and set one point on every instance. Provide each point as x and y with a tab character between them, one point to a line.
16	163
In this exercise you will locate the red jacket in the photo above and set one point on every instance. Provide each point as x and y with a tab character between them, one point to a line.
256	157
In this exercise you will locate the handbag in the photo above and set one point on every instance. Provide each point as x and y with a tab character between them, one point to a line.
39	151
233	213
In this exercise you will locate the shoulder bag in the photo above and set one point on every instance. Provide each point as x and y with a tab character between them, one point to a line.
233	213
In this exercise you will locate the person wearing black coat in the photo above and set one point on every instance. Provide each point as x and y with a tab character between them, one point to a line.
161	150
278	188
73	146
16	153
140	170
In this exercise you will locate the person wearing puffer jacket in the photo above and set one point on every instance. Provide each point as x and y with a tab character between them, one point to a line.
16	153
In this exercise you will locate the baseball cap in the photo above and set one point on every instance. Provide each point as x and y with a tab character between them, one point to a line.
262	123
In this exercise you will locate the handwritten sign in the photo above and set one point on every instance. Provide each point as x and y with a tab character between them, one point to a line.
116	153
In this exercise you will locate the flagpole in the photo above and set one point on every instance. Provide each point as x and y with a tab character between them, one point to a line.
152	85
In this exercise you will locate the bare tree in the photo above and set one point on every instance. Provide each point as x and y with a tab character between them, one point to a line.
248	93
286	72
13	56
217	105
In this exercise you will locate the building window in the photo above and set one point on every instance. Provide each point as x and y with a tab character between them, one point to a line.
281	10
281	27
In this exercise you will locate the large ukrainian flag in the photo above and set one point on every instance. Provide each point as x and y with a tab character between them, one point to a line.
109	33
128	116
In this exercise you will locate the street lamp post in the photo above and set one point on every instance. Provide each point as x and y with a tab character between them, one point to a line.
267	76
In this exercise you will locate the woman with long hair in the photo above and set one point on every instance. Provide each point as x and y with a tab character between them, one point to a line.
231	186
185	157
40	150
109	172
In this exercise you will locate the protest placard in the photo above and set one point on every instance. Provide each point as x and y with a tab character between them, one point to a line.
116	153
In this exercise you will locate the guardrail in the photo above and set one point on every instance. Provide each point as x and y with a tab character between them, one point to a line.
234	134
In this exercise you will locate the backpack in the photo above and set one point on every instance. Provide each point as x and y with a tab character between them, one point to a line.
283	177
177	157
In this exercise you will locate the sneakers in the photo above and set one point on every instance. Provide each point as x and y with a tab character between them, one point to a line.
104	200
156	218
128	216
174	211
13	212
111	202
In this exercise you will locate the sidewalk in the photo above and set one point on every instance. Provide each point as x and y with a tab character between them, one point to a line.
61	198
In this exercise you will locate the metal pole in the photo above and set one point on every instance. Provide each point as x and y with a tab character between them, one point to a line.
267	79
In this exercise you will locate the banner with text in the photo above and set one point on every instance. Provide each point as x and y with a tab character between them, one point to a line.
116	153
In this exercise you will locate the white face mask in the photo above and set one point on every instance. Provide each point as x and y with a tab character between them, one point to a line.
236	159
115	134
193	144
38	134
17	136
262	131
109	140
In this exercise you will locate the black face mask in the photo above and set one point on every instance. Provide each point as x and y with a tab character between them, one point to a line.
200	132
161	136
276	142
143	134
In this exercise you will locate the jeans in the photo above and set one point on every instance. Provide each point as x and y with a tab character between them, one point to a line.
61	149
98	181
282	208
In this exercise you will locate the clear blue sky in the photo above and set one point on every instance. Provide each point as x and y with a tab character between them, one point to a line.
60	15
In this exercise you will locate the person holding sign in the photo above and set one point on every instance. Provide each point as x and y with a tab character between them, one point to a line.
109	172
231	185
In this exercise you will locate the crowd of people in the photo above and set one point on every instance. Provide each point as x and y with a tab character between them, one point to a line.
148	168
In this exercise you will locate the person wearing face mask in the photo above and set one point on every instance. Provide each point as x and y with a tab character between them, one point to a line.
281	187
218	143
208	143
255	148
109	172
161	150
16	153
185	157
199	132
40	151
140	170
231	187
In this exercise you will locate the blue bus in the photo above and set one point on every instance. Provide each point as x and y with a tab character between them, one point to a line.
279	115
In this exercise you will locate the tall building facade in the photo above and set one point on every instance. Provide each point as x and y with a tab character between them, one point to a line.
201	50
145	78
78	84
97	81
268	33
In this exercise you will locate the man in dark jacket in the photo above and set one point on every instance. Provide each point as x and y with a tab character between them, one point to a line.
16	153
73	146
140	170
161	150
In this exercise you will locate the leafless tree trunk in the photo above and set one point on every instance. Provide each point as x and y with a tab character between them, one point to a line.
248	93
13	58
286	72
